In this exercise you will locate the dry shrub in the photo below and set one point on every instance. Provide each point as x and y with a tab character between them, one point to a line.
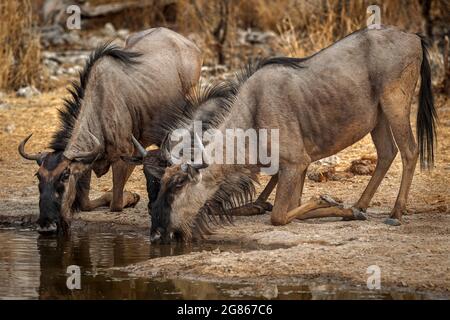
20	50
152	13
317	24
304	26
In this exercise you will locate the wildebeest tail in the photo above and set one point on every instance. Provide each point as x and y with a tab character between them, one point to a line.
426	114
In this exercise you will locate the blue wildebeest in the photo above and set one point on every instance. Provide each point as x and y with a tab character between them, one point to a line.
321	104
122	91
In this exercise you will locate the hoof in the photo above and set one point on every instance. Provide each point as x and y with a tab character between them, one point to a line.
135	201
328	199
393	222
264	206
137	197
359	214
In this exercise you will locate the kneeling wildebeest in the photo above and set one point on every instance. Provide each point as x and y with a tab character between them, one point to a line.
322	104
206	105
121	92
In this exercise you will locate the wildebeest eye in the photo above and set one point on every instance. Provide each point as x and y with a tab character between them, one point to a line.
65	175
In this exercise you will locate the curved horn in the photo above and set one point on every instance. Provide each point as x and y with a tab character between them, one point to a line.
36	157
88	154
142	151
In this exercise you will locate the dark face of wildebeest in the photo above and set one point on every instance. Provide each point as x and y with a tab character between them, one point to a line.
153	166
58	177
177	203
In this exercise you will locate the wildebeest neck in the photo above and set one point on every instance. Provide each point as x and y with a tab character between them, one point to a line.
72	107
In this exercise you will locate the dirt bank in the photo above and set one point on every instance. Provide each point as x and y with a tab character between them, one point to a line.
415	255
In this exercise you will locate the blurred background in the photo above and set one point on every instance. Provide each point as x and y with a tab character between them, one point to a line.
39	52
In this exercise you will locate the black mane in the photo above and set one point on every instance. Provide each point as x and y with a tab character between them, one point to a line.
69	113
182	115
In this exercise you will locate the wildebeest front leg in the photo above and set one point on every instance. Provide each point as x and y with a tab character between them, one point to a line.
121	199
288	198
83	195
260	206
268	189
290	184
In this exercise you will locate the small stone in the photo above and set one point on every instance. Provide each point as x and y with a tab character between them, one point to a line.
4	106
71	71
109	30
94	41
321	174
10	128
51	65
363	166
392	222
330	161
28	92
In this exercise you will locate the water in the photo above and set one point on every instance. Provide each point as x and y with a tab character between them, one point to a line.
33	267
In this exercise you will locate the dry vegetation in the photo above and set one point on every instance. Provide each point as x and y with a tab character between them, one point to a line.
20	50
300	27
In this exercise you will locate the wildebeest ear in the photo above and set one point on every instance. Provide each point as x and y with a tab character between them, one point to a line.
194	173
136	160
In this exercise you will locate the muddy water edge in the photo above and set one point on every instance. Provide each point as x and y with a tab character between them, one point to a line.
35	267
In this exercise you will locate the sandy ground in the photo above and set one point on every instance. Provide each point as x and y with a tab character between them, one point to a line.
415	255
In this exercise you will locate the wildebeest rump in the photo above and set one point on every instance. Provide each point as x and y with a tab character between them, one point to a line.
122	91
321	105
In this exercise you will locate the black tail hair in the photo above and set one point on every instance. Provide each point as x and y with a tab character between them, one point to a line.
426	114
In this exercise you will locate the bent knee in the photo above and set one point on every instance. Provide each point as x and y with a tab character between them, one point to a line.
278	220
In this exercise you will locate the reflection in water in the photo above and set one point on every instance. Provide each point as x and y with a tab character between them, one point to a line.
19	265
34	267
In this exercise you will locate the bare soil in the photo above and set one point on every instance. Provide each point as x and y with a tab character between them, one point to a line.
415	255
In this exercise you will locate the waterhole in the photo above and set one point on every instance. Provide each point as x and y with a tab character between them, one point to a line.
34	267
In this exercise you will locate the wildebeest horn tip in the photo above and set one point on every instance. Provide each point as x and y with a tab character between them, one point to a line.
142	151
36	157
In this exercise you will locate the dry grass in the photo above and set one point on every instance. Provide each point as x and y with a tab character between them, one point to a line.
304	26
20	50
311	28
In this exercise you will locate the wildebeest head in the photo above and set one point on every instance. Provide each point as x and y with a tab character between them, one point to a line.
153	166
57	176
176	203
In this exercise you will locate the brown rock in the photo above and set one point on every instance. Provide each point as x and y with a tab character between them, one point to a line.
363	166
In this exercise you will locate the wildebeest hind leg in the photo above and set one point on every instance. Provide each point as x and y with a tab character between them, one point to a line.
396	104
261	205
386	152
409	151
